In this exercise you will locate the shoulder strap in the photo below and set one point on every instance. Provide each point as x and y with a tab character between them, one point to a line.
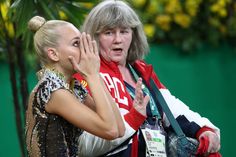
153	104
158	96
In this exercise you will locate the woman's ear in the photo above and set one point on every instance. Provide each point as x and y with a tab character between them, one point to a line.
52	54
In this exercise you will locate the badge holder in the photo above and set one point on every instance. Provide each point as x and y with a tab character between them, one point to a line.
155	138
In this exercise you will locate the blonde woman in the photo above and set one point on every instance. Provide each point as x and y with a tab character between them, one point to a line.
59	107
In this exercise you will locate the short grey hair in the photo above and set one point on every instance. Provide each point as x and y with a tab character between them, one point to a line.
116	13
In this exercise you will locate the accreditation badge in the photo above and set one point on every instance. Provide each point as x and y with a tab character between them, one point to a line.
155	142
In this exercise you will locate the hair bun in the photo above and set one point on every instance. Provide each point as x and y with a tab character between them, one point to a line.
35	23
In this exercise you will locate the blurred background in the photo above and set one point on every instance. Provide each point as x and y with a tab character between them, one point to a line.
192	49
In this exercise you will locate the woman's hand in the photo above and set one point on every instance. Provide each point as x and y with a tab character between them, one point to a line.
214	141
89	58
140	102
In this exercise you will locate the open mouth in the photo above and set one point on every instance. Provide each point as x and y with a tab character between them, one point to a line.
117	50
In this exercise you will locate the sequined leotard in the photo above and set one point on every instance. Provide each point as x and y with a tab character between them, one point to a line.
49	135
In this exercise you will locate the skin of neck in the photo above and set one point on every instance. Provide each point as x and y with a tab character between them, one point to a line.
126	75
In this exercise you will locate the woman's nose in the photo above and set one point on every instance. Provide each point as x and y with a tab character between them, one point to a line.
118	37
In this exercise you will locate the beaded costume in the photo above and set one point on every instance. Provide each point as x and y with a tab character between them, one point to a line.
50	135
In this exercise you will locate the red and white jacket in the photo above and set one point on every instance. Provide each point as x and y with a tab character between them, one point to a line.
90	145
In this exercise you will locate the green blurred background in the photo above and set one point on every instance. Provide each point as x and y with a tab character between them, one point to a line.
206	82
192	50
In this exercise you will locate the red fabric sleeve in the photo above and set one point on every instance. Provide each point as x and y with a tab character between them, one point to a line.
203	129
134	118
204	143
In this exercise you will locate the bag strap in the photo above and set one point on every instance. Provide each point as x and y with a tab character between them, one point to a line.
173	122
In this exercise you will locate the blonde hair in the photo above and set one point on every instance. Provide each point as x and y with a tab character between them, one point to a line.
115	13
46	35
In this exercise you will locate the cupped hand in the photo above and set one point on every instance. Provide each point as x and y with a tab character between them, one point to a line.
140	102
89	63
214	141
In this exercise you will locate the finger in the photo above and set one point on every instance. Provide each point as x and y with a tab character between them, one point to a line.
218	148
139	91
139	81
210	147
138	84
90	43
81	45
146	100
95	47
140	97
215	146
214	142
86	44
138	100
138	94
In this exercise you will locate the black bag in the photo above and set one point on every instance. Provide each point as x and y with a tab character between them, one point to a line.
178	145
176	148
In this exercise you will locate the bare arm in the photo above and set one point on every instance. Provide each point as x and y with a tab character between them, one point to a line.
65	104
91	145
88	101
102	121
116	111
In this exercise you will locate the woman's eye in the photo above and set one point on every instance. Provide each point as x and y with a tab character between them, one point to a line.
125	31
108	32
76	43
